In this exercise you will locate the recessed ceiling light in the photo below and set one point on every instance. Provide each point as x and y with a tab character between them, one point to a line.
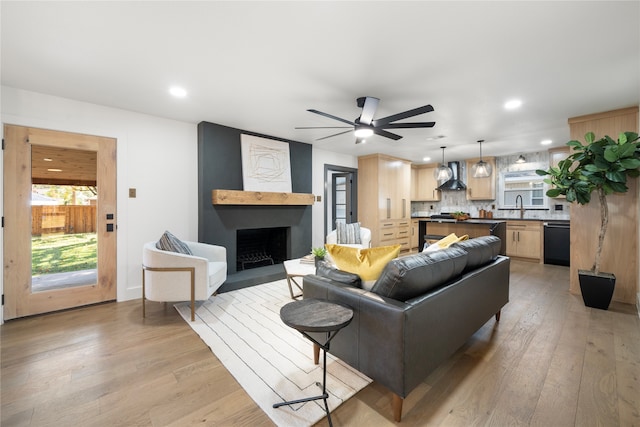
46	159
426	159
54	170
178	92
513	104
546	142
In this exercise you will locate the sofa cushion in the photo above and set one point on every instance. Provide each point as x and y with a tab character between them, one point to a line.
169	242
413	275
481	250
366	263
325	269
348	233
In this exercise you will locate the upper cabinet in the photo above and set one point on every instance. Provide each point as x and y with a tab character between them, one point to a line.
557	154
423	183
481	188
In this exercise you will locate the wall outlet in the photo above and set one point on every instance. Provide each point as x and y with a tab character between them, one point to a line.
132	193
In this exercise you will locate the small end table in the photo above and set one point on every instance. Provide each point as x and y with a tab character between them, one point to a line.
316	315
296	268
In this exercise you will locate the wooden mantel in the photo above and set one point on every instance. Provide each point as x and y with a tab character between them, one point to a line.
236	197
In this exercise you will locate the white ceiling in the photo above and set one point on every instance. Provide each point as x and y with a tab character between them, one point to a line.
259	66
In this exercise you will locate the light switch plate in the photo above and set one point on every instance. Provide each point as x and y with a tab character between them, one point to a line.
132	193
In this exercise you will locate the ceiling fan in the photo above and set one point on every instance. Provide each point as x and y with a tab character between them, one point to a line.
365	126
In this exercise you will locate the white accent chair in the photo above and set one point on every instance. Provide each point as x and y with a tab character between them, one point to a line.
365	238
171	276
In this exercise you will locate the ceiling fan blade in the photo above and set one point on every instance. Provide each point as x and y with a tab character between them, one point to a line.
410	113
324	127
335	134
368	109
332	117
386	134
409	125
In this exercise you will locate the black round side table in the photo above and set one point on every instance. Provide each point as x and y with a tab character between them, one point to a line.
316	315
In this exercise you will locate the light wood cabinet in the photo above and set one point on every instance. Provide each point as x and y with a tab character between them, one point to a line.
481	188
384	194
557	154
415	235
524	239
424	184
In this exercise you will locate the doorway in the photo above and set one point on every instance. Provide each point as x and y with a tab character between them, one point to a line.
60	221
341	196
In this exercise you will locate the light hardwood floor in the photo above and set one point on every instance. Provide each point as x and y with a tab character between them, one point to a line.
549	362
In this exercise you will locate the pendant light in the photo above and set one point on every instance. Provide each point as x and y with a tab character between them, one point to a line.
443	173
521	159
481	169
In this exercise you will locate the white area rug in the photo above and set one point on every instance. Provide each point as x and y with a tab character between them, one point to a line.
271	361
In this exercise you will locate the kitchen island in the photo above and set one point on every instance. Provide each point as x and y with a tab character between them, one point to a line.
435	229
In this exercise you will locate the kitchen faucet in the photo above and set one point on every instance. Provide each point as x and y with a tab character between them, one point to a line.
521	205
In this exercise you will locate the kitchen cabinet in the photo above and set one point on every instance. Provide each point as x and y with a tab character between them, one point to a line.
384	195
437	229
481	188
424	184
415	239
524	239
557	154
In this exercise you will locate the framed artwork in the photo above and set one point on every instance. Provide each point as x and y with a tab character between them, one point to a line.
266	165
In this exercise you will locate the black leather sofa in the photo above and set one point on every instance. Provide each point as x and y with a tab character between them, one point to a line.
419	312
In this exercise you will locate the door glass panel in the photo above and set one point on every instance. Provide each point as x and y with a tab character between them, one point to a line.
63	218
340	198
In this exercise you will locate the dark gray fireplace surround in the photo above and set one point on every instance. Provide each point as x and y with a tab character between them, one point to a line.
220	167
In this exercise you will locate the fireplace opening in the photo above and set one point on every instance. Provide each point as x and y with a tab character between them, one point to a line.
258	247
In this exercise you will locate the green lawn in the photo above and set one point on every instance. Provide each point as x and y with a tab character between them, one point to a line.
63	252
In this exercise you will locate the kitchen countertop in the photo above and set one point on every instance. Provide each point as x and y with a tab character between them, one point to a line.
489	220
466	221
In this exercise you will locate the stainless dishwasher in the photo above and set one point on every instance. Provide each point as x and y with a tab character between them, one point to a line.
557	242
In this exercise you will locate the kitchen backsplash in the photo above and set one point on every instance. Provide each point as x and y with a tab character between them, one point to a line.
457	200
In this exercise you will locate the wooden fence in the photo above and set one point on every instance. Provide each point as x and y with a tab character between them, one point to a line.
66	219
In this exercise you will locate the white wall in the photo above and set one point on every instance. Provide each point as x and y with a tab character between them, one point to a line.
156	156
320	158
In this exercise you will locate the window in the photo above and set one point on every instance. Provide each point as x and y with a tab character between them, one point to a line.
527	184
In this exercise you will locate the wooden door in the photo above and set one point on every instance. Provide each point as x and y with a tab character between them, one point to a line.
20	299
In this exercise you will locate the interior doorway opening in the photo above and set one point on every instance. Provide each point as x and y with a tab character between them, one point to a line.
341	196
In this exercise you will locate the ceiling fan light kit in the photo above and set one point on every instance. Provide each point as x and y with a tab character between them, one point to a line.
365	126
481	169
443	173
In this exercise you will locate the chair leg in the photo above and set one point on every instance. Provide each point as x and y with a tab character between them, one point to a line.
143	295
498	316
193	295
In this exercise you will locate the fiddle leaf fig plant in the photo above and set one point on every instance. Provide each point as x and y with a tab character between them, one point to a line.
601	165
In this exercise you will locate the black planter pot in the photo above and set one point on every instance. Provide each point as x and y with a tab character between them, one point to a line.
597	290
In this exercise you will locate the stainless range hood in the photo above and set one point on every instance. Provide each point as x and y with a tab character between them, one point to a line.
454	184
